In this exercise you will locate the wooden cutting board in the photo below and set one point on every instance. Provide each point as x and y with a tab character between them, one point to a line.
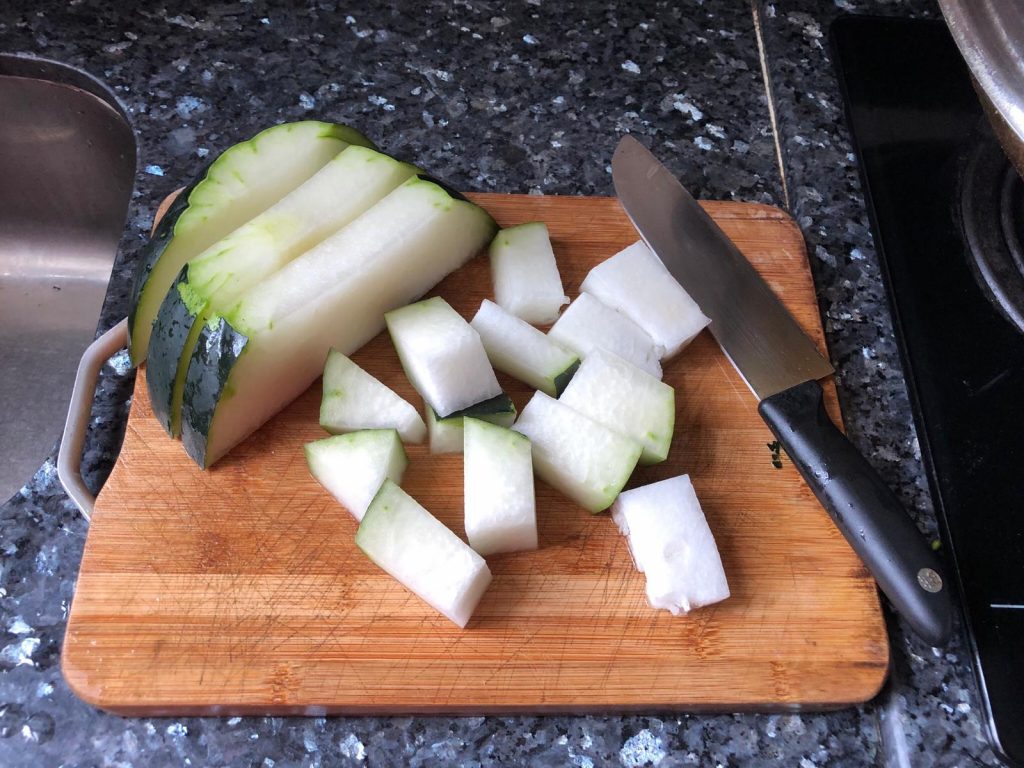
240	590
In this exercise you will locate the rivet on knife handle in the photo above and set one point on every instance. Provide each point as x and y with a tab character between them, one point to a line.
864	508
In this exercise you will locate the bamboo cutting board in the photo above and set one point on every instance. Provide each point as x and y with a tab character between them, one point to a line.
240	590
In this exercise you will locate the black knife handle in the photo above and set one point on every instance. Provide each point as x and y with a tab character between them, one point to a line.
864	508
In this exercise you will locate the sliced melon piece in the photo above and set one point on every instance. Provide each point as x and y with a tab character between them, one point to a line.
263	353
672	545
241	183
637	284
442	356
588	324
626	399
353	466
498	479
337	194
525	274
417	549
353	400
517	348
586	461
446	434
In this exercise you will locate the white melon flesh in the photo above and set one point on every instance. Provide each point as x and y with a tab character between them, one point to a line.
274	341
672	545
349	185
589	324
418	550
345	188
636	283
446	435
498	479
626	399
586	461
525	274
352	467
442	356
517	348
243	182
353	400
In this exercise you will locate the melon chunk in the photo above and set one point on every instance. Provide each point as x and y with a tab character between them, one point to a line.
498	479
626	399
586	461
589	324
517	348
418	550
672	545
525	274
352	467
442	356
446	435
637	284
354	400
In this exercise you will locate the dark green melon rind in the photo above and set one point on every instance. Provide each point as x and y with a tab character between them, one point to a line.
218	349
495	406
151	254
171	330
562	380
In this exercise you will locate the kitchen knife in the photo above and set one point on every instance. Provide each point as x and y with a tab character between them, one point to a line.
782	365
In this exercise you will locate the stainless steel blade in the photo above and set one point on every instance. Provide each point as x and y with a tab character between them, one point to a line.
755	330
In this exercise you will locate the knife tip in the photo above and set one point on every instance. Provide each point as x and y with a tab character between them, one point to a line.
626	142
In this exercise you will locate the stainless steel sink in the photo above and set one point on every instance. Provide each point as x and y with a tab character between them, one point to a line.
67	164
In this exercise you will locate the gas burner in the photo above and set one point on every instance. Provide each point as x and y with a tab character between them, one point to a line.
991	214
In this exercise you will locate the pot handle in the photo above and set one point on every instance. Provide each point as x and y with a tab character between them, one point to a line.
69	460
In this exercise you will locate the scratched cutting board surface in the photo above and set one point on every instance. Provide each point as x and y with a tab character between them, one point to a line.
240	589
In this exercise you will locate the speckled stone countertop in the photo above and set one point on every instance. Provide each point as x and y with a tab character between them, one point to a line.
520	97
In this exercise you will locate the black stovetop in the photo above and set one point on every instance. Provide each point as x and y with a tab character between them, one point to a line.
937	184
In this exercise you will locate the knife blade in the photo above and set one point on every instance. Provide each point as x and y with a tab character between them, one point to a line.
781	365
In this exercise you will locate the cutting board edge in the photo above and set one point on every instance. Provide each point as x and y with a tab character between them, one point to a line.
872	686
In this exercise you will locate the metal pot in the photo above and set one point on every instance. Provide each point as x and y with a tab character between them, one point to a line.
990	36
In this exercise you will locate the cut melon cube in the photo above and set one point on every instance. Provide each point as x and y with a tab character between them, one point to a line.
586	461
672	545
637	284
442	355
446	435
525	274
517	348
418	550
353	466
626	399
353	400
498	480
588	324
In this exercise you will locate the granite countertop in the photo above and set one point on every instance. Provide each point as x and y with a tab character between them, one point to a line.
539	91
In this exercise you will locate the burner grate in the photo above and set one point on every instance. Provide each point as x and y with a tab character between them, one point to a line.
1012	216
991	215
